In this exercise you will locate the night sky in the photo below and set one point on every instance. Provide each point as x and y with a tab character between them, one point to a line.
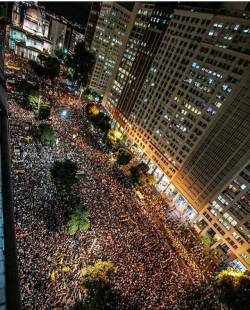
73	11
79	11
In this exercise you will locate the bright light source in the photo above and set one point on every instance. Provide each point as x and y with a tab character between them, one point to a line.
64	113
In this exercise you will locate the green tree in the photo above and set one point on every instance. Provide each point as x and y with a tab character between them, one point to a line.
99	119
81	62
123	157
138	172
96	280
101	270
63	174
43	112
114	138
47	133
233	289
87	92
36	67
142	168
147	179
33	99
99	295
78	220
49	66
207	240
60	54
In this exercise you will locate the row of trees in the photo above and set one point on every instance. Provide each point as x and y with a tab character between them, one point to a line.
114	139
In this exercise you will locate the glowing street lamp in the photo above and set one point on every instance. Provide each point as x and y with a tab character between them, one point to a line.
64	113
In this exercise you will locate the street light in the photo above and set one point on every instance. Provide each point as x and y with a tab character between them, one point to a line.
64	113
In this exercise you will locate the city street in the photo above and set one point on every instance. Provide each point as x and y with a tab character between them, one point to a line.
156	266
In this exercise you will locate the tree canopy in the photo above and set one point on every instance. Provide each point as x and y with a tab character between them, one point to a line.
114	137
101	270
233	289
99	119
92	110
123	157
48	68
138	172
63	174
147	179
47	133
96	280
33	99
43	112
60	54
78	220
81	64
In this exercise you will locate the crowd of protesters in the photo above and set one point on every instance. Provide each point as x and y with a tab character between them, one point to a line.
150	272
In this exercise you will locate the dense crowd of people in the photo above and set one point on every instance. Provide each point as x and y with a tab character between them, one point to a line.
151	271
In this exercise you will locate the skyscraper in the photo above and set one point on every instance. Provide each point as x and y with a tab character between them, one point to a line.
111	33
92	21
143	42
187	115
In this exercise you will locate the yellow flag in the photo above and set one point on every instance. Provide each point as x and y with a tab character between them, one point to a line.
53	275
65	269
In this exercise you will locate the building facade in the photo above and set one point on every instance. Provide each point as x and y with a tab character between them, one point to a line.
76	36
190	117
226	220
29	31
92	21
34	30
143	42
111	34
57	31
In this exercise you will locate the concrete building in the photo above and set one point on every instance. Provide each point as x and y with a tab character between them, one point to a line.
111	34
57	31
92	21
190	117
143	42
226	220
76	36
63	33
29	30
34	30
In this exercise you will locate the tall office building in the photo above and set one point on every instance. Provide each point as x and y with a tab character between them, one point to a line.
225	221
190	118
111	33
92	21
144	39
